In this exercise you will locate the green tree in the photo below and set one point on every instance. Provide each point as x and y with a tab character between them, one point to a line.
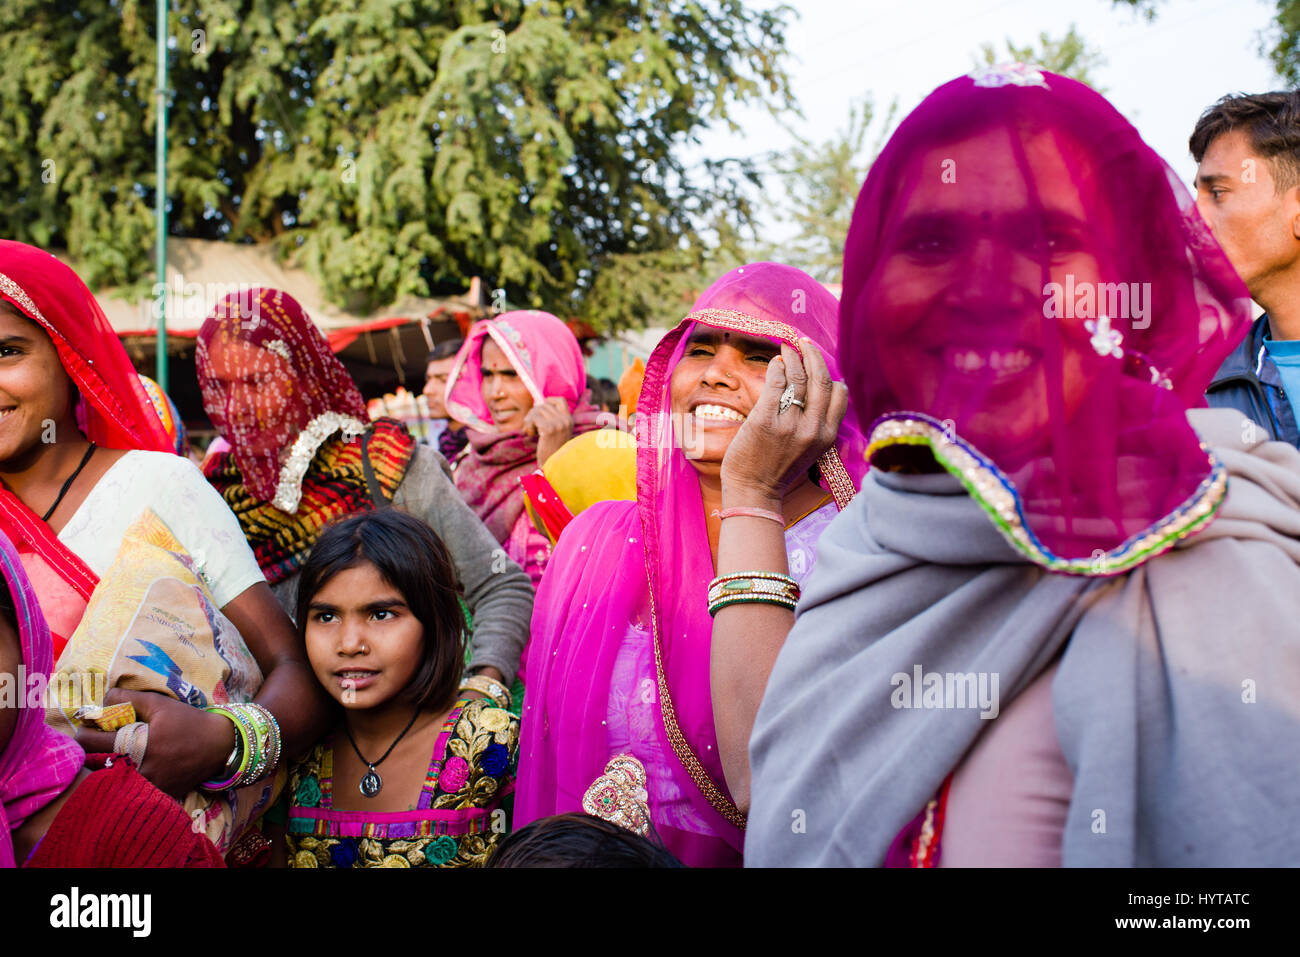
1069	56
392	146
819	186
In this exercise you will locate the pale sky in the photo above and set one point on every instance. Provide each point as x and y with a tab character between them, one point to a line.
1160	75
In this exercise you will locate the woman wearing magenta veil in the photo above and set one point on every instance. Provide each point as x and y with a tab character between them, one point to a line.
657	620
1057	625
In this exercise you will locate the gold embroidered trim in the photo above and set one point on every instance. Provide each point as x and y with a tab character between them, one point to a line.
681	746
15	291
619	795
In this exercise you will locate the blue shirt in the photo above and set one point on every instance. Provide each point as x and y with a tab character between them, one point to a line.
1286	356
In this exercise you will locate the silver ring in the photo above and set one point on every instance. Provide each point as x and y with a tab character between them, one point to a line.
788	399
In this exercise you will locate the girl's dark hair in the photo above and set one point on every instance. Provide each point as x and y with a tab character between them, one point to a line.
579	840
412	558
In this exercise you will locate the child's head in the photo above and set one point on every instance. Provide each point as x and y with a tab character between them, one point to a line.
579	840
378	609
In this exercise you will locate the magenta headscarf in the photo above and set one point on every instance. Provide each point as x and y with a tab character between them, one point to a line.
37	763
549	361
537	344
647	564
1029	290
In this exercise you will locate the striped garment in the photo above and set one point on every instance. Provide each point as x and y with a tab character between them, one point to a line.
334	487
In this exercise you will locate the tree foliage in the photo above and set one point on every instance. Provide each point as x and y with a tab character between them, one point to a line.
1069	56
392	146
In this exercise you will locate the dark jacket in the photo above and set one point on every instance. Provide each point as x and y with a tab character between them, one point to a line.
1249	382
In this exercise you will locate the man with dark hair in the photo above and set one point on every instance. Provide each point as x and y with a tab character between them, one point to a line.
1247	150
446	435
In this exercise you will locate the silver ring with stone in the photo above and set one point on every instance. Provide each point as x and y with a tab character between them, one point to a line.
788	399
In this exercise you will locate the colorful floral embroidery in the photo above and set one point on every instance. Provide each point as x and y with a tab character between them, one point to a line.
459	820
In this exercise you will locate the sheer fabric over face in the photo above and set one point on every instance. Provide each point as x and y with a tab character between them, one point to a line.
274	390
1029	291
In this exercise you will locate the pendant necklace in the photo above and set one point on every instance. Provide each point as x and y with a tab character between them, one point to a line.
371	782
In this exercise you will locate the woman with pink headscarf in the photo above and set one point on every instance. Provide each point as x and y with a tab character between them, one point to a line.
654	626
519	386
1034	638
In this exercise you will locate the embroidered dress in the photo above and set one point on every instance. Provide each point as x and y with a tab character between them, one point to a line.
455	822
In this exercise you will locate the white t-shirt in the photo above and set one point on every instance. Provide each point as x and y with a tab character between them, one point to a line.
178	494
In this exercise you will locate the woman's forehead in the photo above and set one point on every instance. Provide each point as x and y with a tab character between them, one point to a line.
711	335
1001	170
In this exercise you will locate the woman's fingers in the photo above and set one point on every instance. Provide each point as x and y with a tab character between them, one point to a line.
94	741
795	372
818	386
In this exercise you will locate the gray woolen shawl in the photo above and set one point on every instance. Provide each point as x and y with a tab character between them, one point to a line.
1176	703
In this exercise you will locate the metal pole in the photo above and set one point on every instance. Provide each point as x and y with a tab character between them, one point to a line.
160	196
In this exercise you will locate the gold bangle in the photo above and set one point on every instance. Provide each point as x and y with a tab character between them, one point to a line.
489	688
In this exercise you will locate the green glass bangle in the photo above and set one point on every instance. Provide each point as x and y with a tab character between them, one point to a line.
241	735
751	599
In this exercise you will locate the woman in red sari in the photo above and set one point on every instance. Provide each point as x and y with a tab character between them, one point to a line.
82	453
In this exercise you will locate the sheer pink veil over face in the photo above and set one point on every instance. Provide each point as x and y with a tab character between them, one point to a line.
622	566
539	346
37	763
1030	291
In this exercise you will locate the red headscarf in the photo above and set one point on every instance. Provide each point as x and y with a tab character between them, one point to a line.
270	383
114	412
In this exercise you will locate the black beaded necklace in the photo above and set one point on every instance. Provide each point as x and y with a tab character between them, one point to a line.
371	782
68	484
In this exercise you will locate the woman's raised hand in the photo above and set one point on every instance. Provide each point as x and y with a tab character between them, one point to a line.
551	422
775	448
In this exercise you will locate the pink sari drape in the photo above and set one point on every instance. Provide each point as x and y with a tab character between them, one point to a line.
624	569
37	763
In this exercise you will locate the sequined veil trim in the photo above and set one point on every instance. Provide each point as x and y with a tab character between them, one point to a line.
993	490
19	294
289	492
830	465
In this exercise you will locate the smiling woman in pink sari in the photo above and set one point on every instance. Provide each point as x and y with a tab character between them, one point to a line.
622	633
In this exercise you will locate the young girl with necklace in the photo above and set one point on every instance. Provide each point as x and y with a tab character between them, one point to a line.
419	771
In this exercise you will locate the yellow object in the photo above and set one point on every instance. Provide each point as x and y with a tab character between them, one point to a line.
597	466
111	718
